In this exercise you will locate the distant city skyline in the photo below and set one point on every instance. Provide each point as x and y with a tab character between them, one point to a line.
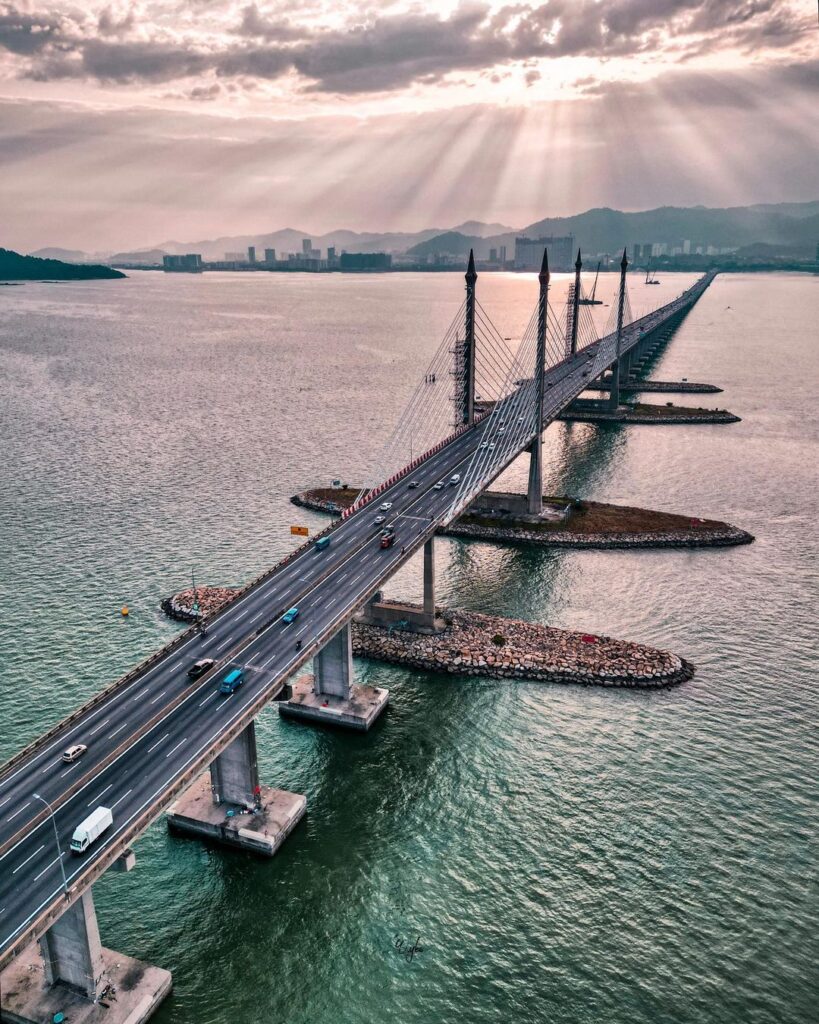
124	124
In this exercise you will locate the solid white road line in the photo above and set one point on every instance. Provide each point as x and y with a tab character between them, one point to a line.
30	856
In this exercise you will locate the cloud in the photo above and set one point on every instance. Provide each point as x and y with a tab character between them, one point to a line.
385	51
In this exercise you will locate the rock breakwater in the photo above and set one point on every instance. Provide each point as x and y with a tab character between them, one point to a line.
488	645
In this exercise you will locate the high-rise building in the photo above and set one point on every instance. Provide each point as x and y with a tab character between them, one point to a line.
306	246
331	253
191	263
270	255
502	255
686	246
364	261
251	254
529	252
493	255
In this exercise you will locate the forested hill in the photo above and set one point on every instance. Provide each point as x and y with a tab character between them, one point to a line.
14	267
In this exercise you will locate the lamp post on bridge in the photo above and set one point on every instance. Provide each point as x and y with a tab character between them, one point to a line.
56	839
614	396
534	501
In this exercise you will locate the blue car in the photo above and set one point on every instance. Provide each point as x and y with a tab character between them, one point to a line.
232	681
290	615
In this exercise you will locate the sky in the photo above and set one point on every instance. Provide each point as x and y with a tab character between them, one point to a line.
123	124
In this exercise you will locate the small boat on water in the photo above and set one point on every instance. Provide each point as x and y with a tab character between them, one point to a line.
591	300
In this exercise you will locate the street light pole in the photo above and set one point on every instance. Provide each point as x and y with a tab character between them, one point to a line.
56	838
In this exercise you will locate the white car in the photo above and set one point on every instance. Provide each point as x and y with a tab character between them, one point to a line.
501	430
439	486
74	753
485	444
385	507
491	445
379	520
455	478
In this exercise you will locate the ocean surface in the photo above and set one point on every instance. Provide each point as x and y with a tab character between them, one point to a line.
491	851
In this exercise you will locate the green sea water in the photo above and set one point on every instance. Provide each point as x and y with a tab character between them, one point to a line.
491	851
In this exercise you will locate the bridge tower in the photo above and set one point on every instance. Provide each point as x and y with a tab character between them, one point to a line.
614	396
575	303
466	379
534	500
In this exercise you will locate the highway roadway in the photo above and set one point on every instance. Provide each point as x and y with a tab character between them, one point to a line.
187	719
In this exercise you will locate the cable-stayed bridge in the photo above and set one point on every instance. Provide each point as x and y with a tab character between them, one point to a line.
151	734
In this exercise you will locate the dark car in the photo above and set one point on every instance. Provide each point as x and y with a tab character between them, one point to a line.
199	668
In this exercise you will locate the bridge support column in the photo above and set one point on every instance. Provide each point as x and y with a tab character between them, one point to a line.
429	580
234	775
71	949
329	695
409	618
229	805
68	971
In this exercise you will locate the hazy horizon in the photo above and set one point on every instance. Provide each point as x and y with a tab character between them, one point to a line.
123	125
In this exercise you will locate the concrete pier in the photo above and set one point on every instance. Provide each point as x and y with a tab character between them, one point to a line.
260	829
358	711
70	972
229	805
330	696
234	775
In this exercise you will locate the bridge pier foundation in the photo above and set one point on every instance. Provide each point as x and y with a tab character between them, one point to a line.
230	806
330	696
69	971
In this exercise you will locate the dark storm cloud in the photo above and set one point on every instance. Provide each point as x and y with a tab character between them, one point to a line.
28	34
389	51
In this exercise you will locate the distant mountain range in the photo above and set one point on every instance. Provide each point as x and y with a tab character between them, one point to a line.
793	225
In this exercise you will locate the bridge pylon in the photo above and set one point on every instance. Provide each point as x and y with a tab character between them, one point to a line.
466	379
614	394
534	497
578	266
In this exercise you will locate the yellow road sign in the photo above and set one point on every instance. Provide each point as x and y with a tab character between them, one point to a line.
300	531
